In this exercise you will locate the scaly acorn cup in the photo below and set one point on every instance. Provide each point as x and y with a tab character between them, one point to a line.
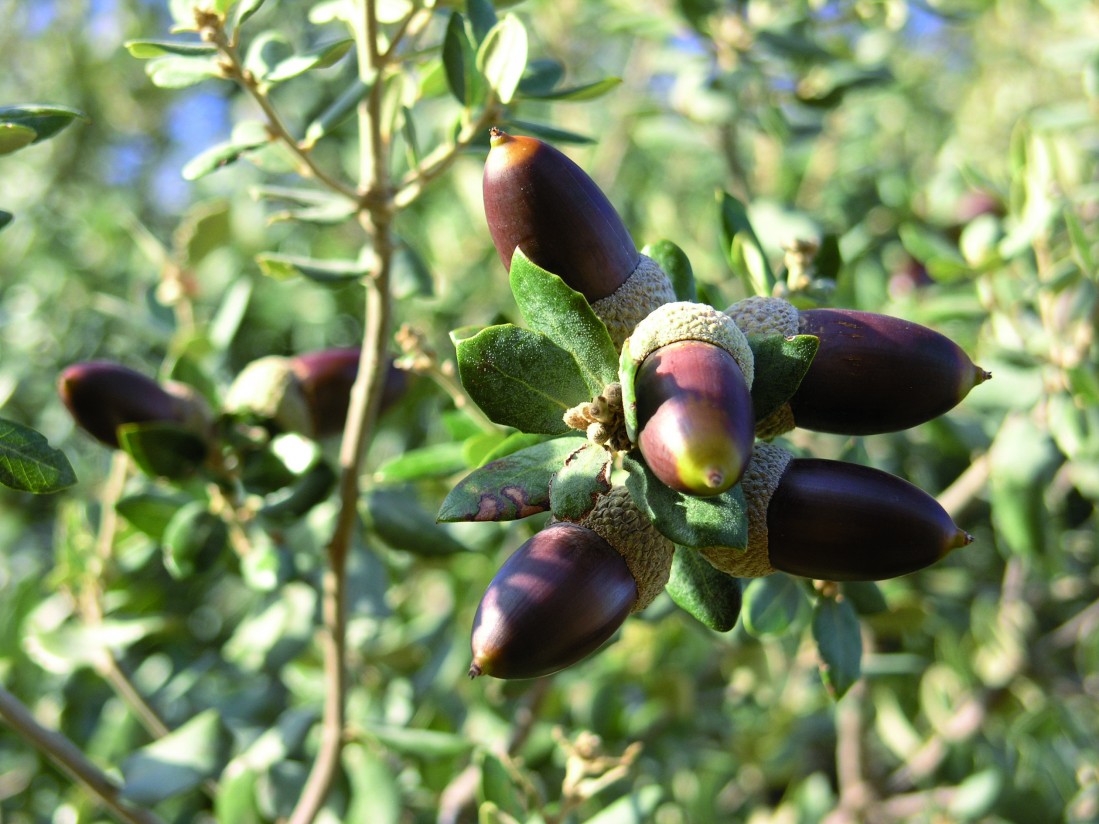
538	200
567	590
835	521
872	373
307	393
102	396
689	401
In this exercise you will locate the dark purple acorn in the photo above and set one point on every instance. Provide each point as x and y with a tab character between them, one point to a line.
326	377
559	597
840	521
875	373
538	200
694	417
102	396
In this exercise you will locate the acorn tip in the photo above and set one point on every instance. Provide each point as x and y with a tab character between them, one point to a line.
475	670
497	136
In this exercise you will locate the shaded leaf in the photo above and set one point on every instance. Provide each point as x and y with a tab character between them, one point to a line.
176	72
375	791
781	363
710	595
540	77
552	307
45	120
458	59
283	267
162	449
718	520
193	539
29	464
865	596
499	786
482	17
419	743
266	51
397	518
513	443
742	247
337	112
434	461
245	9
217	156
578	485
550	133
14	137
5	218
520	378
1023	458
839	642
150	512
513	486
676	266
772	605
178	762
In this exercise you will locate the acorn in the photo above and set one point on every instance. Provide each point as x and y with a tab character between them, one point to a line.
689	399
538	200
872	373
568	589
835	521
308	393
102	396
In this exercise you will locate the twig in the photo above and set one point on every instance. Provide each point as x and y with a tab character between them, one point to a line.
358	430
66	755
966	487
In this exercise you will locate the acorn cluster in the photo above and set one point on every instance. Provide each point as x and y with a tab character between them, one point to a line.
684	410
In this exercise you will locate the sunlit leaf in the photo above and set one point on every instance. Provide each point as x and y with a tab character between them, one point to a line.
29	464
178	762
502	57
578	485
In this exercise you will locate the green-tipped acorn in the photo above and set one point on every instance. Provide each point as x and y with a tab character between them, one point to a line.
872	373
538	200
687	403
307	393
835	521
102	396
567	590
694	413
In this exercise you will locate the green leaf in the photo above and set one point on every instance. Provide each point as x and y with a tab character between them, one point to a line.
839	642
14	137
513	443
1023	458
541	77
29	464
550	133
419	743
266	567
162	449
45	120
337	112
71	646
773	604
676	266
176	72
573	94
781	363
293	502
236	797
193	540
502	57
521	378
635	808
550	306
499	785
145	49
284	267
865	596
150	512
509	487
397	518
178	762
710	595
742	247
319	58
578	485
718	520
375	790
440	460
217	156
5	218
266	51
245	9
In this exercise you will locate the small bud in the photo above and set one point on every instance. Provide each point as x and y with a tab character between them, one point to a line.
694	413
102	396
835	521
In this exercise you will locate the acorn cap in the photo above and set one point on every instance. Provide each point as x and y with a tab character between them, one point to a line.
646	289
618	521
764	316
269	388
759	483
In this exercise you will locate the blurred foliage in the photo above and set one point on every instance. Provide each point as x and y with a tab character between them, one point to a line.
942	158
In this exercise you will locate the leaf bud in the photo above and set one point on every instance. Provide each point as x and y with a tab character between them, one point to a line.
538	200
835	521
102	396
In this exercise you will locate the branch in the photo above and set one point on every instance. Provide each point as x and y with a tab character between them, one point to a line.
66	755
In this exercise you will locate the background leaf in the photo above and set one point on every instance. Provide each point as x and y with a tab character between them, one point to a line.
178	762
29	464
710	595
772	605
839	642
